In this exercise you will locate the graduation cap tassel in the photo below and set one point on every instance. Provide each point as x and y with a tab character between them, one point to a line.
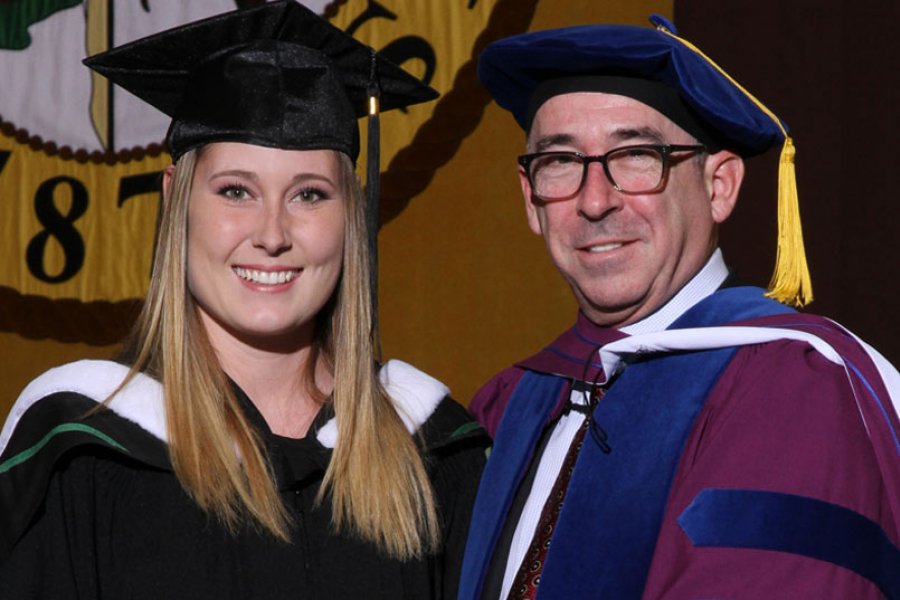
790	283
373	185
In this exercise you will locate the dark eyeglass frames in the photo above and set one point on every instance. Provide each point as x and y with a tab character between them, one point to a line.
638	169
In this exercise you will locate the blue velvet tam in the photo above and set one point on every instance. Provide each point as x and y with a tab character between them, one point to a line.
275	75
653	66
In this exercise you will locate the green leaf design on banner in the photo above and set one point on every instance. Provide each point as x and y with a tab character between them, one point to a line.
16	16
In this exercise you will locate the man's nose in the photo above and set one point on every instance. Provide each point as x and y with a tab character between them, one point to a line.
598	196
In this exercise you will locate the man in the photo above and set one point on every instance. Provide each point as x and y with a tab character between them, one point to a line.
686	438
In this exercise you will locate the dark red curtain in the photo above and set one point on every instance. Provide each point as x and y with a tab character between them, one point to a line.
829	70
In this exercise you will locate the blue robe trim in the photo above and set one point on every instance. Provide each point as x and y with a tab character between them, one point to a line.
881	403
730	305
809	527
609	523
615	503
613	510
517	436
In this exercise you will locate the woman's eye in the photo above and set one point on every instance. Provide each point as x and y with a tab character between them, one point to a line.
234	192
311	194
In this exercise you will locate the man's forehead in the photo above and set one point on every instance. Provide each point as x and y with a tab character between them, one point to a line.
592	115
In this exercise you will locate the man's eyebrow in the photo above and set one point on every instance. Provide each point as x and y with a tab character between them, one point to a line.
649	134
556	139
638	133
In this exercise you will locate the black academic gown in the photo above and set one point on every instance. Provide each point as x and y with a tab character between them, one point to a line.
115	523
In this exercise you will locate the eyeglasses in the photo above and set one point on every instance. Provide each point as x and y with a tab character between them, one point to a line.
639	169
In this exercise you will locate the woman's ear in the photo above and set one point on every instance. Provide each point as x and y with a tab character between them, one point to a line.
167	182
724	172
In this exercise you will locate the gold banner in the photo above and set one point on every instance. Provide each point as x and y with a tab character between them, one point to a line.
466	288
77	229
78	223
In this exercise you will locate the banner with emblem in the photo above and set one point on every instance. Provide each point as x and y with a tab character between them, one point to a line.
80	165
80	160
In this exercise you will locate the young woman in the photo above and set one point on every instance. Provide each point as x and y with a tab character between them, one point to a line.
249	446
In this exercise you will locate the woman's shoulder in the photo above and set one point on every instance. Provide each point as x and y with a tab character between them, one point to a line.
66	392
425	405
59	416
416	395
93	380
422	402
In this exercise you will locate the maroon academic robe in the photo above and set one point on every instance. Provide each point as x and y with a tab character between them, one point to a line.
782	418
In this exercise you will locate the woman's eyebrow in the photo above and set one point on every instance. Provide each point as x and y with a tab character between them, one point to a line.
235	173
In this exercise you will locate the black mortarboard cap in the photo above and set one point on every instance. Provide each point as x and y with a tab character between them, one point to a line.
275	75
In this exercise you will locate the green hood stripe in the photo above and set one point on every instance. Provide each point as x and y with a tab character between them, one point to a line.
64	428
464	429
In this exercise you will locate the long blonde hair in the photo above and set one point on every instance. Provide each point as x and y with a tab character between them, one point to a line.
376	479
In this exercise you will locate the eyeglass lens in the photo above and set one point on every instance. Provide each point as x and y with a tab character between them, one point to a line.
634	170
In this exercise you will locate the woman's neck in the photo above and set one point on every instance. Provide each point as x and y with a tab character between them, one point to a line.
273	377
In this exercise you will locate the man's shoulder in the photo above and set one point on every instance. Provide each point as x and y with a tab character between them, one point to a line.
785	333
815	358
490	401
733	313
815	330
569	356
841	347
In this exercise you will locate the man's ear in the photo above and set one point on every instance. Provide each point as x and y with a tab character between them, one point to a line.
530	209
167	182
724	173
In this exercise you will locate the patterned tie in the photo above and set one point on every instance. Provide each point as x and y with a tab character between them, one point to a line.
528	577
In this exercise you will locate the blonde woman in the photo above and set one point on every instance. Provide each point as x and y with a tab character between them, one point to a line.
248	446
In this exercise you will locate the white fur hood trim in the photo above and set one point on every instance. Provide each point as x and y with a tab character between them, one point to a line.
141	401
416	395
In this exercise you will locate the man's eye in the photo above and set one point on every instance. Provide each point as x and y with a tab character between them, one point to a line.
552	163
640	154
563	159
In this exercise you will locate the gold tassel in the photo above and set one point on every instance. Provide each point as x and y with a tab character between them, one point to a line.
791	283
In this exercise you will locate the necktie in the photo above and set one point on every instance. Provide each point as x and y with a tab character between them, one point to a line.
528	577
